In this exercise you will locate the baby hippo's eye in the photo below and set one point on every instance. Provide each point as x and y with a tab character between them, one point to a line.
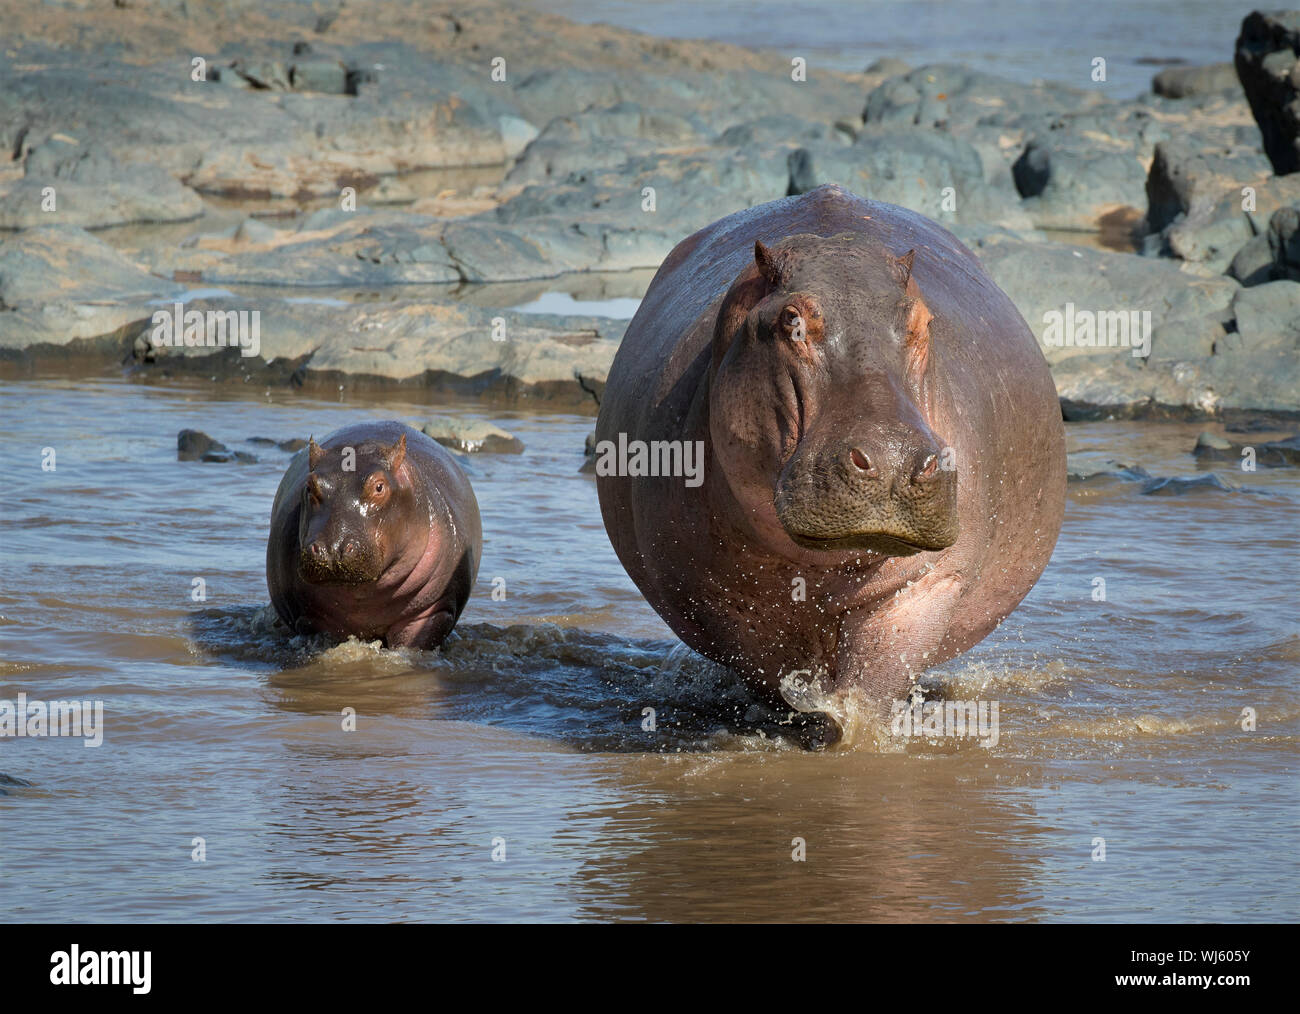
792	324
377	488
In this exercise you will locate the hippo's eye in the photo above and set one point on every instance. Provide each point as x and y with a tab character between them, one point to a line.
792	323
377	488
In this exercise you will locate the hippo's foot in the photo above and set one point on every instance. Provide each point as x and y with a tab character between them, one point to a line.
813	730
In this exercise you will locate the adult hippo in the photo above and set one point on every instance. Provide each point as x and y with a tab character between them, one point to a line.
883	454
375	534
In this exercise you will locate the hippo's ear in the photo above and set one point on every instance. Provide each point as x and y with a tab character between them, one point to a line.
903	271
770	264
395	455
314	452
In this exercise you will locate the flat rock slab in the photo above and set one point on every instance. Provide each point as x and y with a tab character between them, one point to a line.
471	436
448	346
60	285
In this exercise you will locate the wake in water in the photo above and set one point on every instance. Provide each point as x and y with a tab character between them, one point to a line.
599	692
591	690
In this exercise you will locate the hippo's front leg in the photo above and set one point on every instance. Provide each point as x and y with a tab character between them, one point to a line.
427	630
885	650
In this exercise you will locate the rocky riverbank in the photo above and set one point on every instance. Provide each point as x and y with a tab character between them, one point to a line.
376	179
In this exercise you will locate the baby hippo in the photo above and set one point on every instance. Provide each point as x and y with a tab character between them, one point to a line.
375	533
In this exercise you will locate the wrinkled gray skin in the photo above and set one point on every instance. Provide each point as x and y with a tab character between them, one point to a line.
388	550
884	474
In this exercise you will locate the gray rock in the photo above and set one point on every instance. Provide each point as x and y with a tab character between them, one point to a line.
60	287
1283	240
1268	317
1190	337
383	248
596	139
1211	442
471	435
320	75
92	189
195	445
1181	82
1270	454
1213	236
250	230
291	445
1072	183
929	171
940	94
516	135
442	346
1192	181
1253	263
1085	468
9	781
1043	278
781	129
94	206
269	74
1181	485
888	66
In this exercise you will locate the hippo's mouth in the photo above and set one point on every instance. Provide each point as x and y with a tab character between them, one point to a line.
873	542
341	572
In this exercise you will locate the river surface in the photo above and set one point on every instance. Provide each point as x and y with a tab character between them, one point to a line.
523	739
1024	40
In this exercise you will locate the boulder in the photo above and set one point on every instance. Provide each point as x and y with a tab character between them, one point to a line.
1268	51
60	286
928	171
471	435
1182	82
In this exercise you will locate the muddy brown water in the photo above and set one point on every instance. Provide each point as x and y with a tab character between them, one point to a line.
1118	719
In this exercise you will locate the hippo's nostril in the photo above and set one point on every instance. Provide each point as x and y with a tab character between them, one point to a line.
351	549
317	551
861	461
928	467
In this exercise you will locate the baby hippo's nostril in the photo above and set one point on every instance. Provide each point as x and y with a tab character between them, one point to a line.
351	549
928	467
317	550
861	462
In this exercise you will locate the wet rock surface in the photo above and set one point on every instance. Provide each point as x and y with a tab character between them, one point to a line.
246	164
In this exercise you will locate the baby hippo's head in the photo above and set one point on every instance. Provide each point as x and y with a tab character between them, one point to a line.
357	505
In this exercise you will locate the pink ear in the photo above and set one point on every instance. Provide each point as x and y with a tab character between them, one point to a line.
769	263
917	337
396	454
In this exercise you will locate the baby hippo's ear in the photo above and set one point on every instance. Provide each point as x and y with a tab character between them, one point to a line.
395	455
314	452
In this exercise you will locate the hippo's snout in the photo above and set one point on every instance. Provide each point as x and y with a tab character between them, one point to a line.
344	560
883	489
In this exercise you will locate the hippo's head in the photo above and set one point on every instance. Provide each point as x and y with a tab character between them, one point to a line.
820	398
357	503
